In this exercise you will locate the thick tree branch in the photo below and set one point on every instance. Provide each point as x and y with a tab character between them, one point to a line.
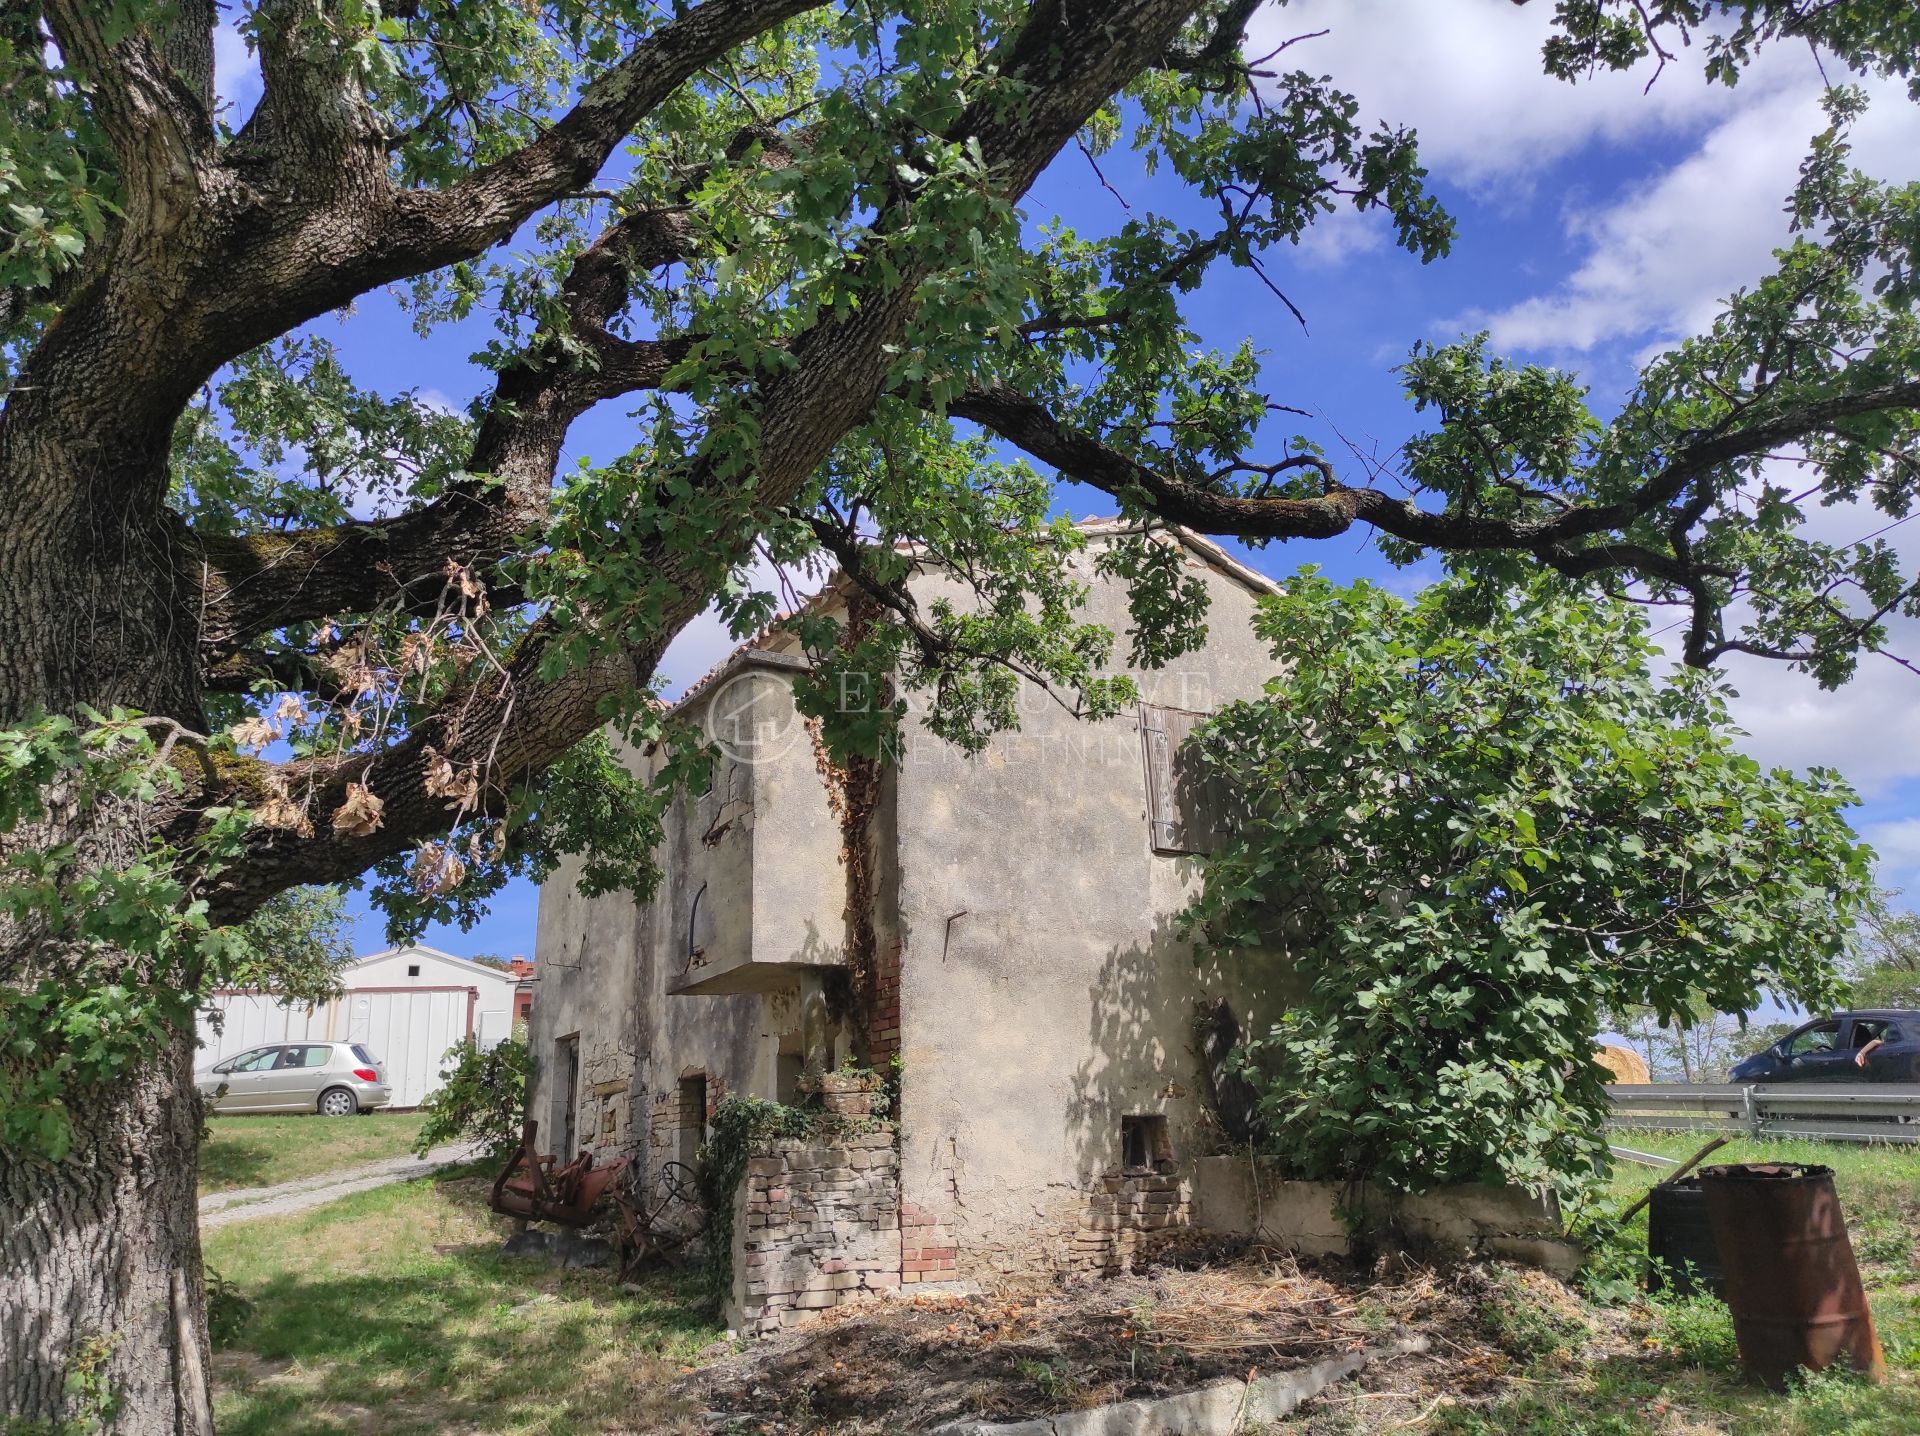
1029	424
511	725
432	228
1729	446
1065	63
151	97
244	670
260	582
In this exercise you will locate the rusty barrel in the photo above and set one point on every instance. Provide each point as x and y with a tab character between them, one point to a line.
1791	1280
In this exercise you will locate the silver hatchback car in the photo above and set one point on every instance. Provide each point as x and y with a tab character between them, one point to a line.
335	1079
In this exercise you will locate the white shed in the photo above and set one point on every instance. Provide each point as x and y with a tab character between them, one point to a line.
406	1005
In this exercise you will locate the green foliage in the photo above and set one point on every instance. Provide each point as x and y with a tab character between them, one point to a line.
93	1018
1527	1316
91	1401
481	1100
57	188
227	1309
1699	1331
1883	963
1472	829
1878	35
295	945
1833	322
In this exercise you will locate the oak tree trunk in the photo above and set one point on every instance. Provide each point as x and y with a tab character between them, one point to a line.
105	1311
103	1316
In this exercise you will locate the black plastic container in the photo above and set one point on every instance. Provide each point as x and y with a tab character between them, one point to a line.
1681	1253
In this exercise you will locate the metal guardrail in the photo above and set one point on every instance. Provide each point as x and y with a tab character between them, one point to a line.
1854	1112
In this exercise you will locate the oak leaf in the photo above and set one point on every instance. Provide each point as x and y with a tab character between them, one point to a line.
359	816
254	733
283	814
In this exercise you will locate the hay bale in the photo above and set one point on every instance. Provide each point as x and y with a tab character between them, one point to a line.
1623	1064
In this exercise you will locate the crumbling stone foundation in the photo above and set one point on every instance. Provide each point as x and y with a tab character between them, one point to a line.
816	1222
1126	1212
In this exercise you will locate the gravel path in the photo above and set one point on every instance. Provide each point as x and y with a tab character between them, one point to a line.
244	1204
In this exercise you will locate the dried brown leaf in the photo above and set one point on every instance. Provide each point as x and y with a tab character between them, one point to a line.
360	815
254	733
444	780
469	584
283	814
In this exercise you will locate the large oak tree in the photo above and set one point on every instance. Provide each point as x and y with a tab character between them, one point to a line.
261	628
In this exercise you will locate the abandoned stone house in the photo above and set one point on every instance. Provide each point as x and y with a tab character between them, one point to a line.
1002	924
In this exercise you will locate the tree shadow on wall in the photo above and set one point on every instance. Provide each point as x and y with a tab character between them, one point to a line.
1143	1052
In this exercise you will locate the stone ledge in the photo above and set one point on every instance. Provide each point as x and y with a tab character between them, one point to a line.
1225	1406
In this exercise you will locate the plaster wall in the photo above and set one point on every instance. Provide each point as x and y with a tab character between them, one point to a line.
1044	993
700	980
1250	1197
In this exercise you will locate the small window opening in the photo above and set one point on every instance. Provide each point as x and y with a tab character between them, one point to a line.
789	1067
413	969
1145	1145
693	1118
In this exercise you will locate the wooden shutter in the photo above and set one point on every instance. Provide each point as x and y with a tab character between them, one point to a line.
1183	807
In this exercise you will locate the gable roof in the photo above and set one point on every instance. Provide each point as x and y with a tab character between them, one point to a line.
465	965
756	649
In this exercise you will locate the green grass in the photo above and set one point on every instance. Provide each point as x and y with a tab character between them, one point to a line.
390	1311
261	1151
1673	1366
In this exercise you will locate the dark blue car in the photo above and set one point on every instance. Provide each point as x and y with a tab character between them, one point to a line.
1876	1045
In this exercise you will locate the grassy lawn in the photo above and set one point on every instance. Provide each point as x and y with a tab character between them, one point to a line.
390	1311
1672	1367
260	1151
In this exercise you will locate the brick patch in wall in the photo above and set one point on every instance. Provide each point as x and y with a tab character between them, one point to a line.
928	1251
883	1021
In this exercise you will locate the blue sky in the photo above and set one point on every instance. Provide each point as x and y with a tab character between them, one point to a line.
1596	224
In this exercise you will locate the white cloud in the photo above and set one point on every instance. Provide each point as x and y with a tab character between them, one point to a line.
1467	76
1869	730
1659	261
236	74
1336	237
706	641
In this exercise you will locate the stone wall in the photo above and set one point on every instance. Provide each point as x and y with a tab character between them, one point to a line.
668	1120
816	1222
604	1121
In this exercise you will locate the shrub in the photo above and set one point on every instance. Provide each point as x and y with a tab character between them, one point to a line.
1468	830
482	1098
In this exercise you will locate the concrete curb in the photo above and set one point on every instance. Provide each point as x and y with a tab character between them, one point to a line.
1217	1410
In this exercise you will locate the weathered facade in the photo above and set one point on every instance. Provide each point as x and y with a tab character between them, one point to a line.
1005	923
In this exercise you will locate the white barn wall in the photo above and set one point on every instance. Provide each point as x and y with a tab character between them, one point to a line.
407	1020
